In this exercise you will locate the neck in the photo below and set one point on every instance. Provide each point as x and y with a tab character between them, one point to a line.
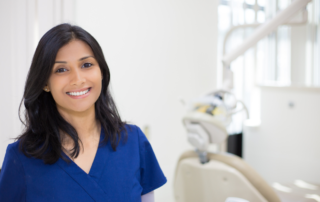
84	123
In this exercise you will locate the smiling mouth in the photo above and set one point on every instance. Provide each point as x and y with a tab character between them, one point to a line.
79	93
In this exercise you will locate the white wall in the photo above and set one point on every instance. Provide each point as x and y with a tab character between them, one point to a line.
16	44
157	51
286	145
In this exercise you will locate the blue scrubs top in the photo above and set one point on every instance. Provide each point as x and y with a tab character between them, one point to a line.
115	176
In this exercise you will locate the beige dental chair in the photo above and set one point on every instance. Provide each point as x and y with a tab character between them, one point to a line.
201	176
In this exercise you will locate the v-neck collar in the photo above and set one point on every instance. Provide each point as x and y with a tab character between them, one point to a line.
101	158
89	182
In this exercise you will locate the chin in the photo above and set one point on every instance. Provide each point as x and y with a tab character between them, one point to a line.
81	108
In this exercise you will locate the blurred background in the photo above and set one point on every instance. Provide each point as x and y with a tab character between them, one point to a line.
162	54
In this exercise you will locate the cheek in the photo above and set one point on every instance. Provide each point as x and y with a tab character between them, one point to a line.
98	74
96	77
98	86
56	88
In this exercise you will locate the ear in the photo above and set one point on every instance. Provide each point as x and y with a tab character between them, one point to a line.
46	88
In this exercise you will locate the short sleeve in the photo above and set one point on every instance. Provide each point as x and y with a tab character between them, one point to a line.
151	175
12	181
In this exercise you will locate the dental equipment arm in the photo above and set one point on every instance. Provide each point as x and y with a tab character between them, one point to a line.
262	31
265	29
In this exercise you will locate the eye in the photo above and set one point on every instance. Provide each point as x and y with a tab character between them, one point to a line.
87	65
61	70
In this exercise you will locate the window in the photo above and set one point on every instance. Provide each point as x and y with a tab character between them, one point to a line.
286	57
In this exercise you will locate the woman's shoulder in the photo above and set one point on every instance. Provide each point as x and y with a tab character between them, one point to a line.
134	133
132	129
13	147
14	151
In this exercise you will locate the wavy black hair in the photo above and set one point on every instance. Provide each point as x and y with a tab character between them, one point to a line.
42	136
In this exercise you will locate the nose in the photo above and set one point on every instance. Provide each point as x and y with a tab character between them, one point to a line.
77	77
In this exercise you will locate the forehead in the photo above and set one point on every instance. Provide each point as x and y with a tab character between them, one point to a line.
74	50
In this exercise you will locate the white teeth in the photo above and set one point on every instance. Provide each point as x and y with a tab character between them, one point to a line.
78	93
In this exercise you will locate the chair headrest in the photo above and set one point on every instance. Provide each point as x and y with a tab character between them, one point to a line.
215	130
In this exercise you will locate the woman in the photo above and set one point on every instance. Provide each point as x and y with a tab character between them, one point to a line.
75	147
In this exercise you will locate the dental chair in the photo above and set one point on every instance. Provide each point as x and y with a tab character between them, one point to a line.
203	176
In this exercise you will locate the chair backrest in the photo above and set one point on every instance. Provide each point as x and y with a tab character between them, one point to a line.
237	163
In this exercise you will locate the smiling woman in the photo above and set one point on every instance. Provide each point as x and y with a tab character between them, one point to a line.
75	147
76	74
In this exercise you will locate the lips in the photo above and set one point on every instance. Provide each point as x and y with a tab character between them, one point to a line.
79	90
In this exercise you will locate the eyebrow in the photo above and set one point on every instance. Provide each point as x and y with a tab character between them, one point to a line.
83	58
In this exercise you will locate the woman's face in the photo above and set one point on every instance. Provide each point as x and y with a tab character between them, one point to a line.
75	80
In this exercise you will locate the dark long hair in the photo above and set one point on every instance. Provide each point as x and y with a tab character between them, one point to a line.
43	123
